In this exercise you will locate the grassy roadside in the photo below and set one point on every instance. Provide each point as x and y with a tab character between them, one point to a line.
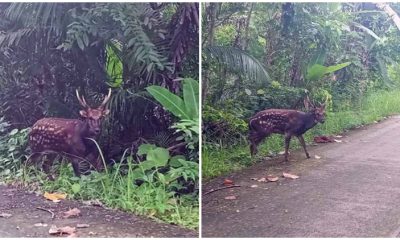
375	106
115	190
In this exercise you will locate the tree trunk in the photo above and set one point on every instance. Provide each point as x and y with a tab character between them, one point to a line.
246	39
210	40
389	11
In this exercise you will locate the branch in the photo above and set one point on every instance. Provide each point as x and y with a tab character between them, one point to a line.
221	188
389	11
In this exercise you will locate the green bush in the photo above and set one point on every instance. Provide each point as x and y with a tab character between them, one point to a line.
13	146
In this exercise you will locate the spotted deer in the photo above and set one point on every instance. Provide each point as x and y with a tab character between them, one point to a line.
69	137
284	121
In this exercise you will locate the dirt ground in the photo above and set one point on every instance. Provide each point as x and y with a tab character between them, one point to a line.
31	216
351	189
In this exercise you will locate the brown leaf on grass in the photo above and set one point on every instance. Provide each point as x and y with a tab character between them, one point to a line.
72	213
271	178
82	225
291	176
228	182
338	141
54	230
230	197
5	215
254	186
55	197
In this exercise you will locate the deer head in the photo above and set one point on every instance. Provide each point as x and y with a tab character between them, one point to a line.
93	116
317	111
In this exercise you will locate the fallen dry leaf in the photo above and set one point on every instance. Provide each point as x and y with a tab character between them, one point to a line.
5	215
95	202
228	182
40	225
323	139
338	141
263	179
338	136
254	186
253	178
317	157
72	213
54	230
82	225
288	175
281	153
271	178
55	197
230	197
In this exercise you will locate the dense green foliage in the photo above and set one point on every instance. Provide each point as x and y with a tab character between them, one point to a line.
272	55
48	50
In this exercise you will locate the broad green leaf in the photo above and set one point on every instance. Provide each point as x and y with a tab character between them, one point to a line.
174	161
76	187
191	97
145	148
159	156
80	43
337	67
315	72
147	165
13	132
170	101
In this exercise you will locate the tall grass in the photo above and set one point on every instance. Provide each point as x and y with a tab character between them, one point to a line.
116	187
217	161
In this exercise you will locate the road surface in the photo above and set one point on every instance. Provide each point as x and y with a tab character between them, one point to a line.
28	215
352	190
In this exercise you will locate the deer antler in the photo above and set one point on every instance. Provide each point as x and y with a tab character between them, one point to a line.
106	99
82	100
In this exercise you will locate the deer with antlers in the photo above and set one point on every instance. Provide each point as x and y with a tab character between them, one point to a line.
70	137
284	121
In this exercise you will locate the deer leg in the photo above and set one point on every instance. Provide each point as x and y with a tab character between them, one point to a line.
75	166
287	142
255	139
95	161
47	164
303	144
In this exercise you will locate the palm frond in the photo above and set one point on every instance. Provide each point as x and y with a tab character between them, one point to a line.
239	62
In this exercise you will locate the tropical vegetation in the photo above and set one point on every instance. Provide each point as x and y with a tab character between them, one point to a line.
147	54
272	55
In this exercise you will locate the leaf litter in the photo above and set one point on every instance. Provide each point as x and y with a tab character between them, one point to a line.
72	213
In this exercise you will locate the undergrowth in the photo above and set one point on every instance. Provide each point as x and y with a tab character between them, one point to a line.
117	190
218	159
161	187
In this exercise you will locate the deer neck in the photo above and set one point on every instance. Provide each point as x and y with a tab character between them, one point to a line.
85	130
310	120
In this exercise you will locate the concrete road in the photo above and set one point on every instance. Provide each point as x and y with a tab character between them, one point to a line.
29	210
353	190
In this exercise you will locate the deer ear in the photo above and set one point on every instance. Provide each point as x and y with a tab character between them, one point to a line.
306	104
106	112
83	113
